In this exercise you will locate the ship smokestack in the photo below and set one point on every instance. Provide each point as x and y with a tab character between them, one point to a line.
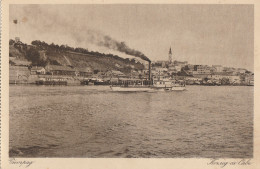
149	70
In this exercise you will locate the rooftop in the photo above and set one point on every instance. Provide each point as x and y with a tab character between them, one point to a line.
56	67
35	68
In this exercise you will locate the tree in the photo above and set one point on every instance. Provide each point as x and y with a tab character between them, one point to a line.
54	62
62	48
36	42
96	71
206	79
11	42
186	67
52	45
34	56
225	81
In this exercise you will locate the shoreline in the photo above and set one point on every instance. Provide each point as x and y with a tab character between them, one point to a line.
34	84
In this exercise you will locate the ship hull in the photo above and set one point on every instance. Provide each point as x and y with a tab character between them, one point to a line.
130	89
145	89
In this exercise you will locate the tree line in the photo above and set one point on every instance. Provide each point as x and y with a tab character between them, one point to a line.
31	52
65	48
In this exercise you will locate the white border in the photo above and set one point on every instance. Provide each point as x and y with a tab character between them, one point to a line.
113	163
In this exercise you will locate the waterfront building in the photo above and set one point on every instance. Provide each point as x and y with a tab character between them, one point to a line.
190	67
217	68
249	79
161	77
18	70
84	72
234	79
115	74
180	63
215	76
57	80
201	70
224	75
174	68
60	70
160	69
241	71
135	74
18	74
37	70
200	76
160	63
193	78
229	69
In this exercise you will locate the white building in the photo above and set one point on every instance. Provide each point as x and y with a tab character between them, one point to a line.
249	79
201	70
160	69
218	68
218	76
175	68
242	71
37	70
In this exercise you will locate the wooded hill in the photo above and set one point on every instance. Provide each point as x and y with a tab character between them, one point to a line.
40	54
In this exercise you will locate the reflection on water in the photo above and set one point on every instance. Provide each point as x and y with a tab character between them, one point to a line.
90	121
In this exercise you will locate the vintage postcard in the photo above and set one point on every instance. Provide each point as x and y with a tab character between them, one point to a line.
147	85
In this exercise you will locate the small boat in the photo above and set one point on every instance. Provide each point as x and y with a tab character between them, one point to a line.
88	82
101	83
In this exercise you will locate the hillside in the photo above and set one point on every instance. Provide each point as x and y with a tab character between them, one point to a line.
41	54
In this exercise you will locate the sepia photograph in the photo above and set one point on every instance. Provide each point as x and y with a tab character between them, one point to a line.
131	81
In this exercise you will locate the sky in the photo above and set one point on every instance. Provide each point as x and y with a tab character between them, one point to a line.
199	34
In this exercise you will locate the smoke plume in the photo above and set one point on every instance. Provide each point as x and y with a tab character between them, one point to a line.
45	19
121	47
98	38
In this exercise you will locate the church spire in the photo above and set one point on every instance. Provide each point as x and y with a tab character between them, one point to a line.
170	55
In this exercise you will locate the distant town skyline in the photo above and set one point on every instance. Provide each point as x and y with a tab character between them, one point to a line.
199	34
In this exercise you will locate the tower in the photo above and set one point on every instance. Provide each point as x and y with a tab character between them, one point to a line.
170	55
17	39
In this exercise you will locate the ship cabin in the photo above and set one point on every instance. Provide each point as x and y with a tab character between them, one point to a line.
132	82
162	83
168	83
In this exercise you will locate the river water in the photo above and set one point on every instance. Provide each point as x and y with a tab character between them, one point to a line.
92	121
